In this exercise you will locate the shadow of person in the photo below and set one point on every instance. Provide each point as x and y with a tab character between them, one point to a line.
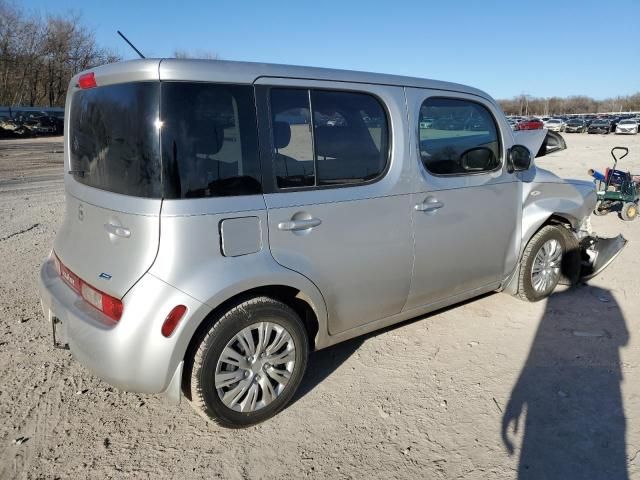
569	392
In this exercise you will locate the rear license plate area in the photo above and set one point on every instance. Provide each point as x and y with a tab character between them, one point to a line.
59	340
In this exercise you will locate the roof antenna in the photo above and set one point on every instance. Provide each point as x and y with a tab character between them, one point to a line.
130	44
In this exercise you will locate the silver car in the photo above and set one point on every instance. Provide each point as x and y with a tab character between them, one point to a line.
555	124
225	219
627	126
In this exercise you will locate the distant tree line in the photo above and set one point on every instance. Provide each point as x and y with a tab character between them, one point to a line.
38	56
528	105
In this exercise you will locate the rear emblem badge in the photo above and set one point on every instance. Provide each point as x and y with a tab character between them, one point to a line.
105	276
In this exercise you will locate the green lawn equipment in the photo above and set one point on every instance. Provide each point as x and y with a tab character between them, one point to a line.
617	190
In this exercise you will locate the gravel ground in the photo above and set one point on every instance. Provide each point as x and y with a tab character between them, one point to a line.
426	399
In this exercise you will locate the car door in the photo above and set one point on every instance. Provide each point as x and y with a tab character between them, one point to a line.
339	201
466	205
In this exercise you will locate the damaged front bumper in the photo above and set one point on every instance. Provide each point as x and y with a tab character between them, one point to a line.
598	253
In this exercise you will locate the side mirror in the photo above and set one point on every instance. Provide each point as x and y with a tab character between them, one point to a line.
478	159
519	159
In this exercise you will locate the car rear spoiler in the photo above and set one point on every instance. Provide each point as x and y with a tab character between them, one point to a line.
543	141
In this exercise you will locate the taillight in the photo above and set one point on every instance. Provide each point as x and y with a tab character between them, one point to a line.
172	320
87	80
110	306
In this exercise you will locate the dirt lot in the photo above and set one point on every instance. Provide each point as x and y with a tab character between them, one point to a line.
426	399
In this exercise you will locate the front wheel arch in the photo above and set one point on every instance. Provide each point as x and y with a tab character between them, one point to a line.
510	286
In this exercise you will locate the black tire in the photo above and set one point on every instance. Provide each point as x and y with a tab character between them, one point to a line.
200	369
629	211
569	270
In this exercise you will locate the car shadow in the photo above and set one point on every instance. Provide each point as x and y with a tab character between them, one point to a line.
567	400
323	363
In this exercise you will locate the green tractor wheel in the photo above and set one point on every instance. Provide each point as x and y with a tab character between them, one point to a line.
629	211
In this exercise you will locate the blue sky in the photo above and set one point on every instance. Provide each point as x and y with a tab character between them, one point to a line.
506	48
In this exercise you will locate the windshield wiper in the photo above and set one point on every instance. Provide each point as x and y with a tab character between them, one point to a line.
79	173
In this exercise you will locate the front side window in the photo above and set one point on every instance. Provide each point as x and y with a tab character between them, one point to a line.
209	140
457	137
345	139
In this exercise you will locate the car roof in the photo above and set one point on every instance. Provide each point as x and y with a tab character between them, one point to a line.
248	72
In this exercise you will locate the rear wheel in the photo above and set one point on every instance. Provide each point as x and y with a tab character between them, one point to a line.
249	364
543	263
629	211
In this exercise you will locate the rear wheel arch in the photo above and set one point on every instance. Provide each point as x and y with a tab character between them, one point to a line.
294	298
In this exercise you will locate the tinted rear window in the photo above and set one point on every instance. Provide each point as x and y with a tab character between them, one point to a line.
166	140
114	142
209	140
327	138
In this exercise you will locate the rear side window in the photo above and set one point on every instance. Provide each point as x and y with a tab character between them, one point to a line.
458	137
113	139
209	140
292	140
344	140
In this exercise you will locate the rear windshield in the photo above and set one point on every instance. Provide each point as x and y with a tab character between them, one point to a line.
114	142
166	140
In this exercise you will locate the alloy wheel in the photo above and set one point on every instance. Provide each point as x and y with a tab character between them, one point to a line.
545	271
255	367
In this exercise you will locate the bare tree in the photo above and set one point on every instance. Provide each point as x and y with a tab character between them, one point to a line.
39	56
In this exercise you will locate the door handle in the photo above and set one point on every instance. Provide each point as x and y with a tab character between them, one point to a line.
295	225
429	205
117	230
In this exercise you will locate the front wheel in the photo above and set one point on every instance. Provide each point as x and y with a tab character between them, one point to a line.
249	364
545	261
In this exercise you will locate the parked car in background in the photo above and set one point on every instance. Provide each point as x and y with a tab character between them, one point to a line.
628	126
554	124
530	124
575	125
613	123
31	121
589	119
600	125
41	125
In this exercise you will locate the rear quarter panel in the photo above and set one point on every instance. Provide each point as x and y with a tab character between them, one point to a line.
190	257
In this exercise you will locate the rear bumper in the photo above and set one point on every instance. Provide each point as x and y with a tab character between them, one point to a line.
131	354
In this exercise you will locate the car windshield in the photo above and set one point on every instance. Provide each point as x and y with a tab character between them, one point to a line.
627	122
